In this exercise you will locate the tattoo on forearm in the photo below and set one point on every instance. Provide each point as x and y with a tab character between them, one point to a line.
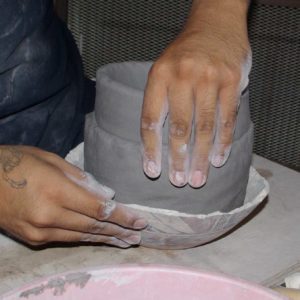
10	158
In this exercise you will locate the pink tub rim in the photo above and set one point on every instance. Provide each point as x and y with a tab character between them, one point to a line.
232	280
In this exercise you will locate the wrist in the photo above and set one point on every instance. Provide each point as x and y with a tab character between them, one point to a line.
239	7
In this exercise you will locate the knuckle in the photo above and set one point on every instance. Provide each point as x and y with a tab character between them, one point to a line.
149	124
211	73
186	67
86	237
35	237
158	70
41	220
206	125
97	227
179	129
228	124
106	209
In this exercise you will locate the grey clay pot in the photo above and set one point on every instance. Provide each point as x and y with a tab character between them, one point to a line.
113	155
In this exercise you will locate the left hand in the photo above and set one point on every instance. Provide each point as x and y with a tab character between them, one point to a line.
200	76
45	199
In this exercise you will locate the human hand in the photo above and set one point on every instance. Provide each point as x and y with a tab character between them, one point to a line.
46	199
199	76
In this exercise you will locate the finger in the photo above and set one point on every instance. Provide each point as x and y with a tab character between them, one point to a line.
69	220
181	116
153	115
46	235
227	112
94	206
205	111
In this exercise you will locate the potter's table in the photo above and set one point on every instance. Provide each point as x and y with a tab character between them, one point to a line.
263	249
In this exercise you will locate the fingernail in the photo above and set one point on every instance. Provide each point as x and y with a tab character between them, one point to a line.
152	169
179	178
120	244
198	179
133	239
140	224
217	160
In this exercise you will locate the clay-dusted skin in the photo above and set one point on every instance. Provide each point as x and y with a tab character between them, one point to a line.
113	156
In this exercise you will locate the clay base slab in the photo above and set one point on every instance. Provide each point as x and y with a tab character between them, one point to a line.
170	229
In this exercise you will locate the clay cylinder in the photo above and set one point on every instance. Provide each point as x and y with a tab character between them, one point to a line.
113	149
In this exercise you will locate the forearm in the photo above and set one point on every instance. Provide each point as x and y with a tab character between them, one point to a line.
217	12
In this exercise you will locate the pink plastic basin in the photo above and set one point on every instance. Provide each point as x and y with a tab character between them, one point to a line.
143	282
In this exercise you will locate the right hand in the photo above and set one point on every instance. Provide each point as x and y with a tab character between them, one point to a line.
46	199
198	81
